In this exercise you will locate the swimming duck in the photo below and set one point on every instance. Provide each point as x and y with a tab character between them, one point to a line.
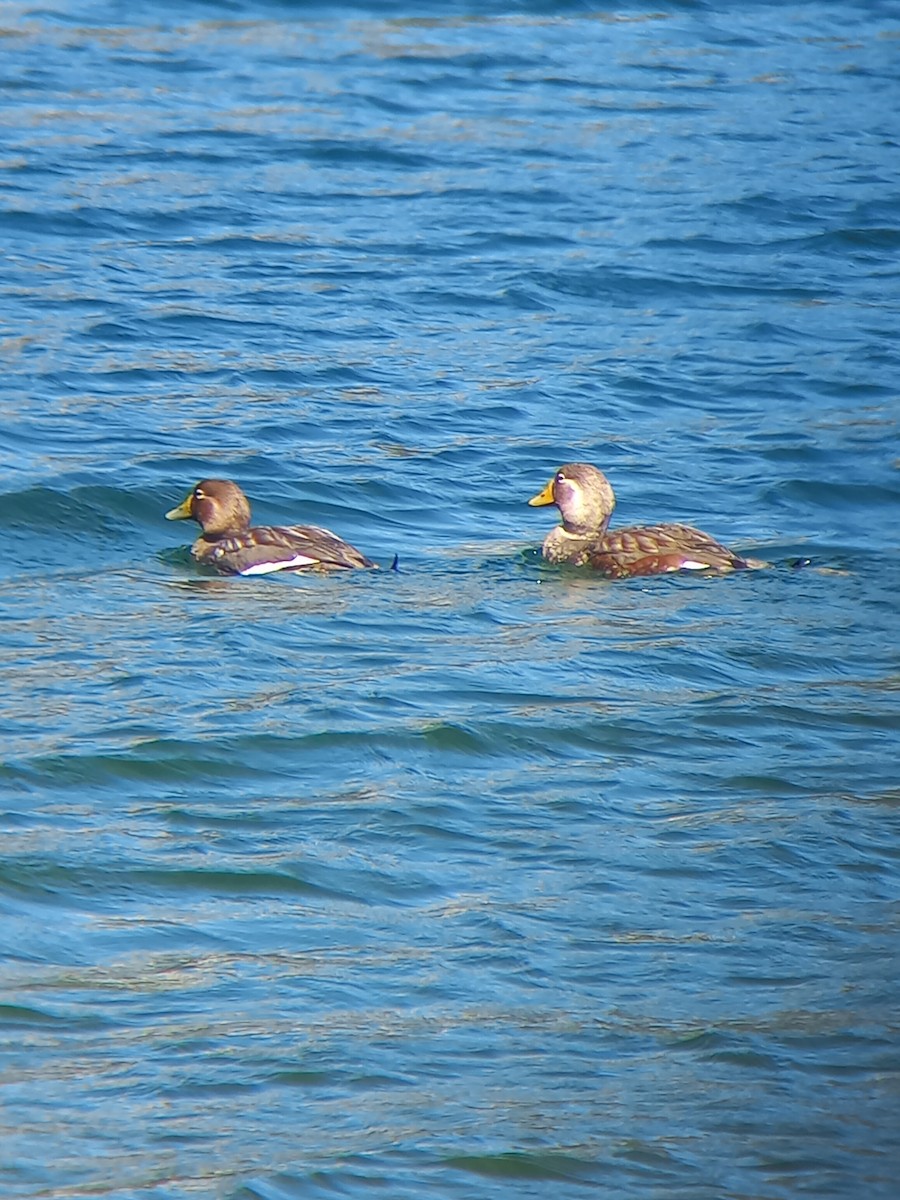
229	544
586	500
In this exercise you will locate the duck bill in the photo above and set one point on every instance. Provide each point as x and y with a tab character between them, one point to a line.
544	497
183	511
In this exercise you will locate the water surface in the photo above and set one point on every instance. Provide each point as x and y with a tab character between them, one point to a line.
477	878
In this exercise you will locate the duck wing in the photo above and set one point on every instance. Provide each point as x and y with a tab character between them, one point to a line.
658	550
268	548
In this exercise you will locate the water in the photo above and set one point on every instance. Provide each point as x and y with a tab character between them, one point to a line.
478	878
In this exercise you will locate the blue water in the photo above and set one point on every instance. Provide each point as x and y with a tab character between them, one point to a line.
478	878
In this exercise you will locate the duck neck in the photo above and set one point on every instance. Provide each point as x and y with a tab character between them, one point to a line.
577	529
219	535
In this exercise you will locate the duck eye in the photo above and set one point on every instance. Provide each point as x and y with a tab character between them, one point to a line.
199	494
560	478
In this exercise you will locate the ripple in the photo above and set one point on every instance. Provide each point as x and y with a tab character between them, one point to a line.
479	875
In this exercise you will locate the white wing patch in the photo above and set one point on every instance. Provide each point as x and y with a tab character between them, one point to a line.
691	564
287	564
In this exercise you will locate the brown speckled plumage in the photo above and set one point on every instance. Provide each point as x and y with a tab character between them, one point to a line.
233	547
586	501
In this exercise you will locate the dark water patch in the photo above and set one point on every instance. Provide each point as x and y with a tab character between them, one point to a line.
837	494
59	224
631	287
13	1016
83	511
208	816
869	238
305	1079
104	886
112	331
189	324
168	761
362	156
528	1166
112	770
256	883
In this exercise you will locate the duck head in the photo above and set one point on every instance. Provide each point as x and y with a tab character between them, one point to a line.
583	495
218	506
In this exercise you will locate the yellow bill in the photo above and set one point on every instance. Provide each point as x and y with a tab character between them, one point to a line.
544	497
183	511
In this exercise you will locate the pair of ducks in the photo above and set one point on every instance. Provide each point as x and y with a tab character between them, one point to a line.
582	494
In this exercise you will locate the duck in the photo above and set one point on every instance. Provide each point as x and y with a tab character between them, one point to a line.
585	498
233	547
